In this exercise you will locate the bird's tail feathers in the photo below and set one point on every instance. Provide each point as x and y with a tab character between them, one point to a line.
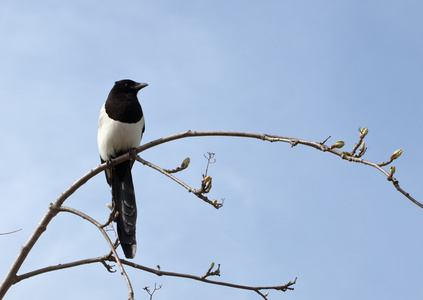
124	202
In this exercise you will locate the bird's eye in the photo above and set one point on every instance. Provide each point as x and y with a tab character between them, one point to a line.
126	84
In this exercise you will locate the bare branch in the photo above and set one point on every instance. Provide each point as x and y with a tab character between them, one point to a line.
385	163
151	293
101	259
283	288
325	140
198	193
112	217
395	182
109	257
210	160
11	232
270	138
54	207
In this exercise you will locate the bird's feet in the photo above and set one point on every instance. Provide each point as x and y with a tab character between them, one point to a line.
109	163
133	153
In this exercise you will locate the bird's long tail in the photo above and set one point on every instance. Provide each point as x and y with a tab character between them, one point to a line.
124	202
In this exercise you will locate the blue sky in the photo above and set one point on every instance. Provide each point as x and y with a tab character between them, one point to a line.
303	69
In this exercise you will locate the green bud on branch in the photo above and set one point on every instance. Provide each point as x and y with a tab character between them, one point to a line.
392	171
364	131
185	163
362	149
338	144
207	183
396	154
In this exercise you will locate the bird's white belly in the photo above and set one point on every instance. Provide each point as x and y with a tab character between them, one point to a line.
114	136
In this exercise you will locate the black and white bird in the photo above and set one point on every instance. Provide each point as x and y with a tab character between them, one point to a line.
120	128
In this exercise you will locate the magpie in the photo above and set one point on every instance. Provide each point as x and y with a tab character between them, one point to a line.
120	129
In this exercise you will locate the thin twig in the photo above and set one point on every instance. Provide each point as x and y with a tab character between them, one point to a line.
185	163
382	164
147	289
210	273
197	192
11	232
210	160
325	140
87	261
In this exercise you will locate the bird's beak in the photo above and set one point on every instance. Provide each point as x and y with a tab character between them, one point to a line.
140	85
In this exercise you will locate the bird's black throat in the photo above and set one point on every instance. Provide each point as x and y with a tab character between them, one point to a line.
124	108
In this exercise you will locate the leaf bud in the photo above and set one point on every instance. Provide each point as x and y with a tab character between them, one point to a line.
109	206
185	163
362	149
207	184
392	170
396	154
364	131
338	144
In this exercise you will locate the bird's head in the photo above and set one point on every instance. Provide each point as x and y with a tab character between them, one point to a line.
129	86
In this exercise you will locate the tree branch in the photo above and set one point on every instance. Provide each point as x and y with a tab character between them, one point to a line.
197	192
283	288
10	232
111	258
87	261
54	207
276	138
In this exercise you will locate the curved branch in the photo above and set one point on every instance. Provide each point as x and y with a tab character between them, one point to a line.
60	267
276	138
53	209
